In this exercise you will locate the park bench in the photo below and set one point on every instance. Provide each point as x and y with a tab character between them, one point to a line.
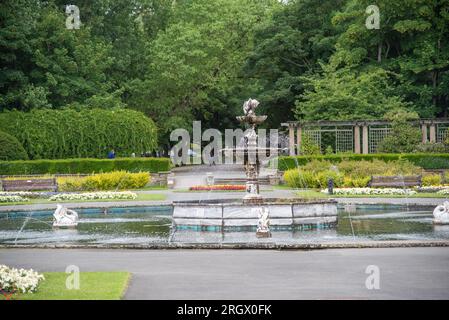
30	185
394	181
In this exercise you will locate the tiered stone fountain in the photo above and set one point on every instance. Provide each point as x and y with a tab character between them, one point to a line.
254	211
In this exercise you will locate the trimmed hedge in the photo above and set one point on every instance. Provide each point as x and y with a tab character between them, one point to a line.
84	166
86	133
11	148
423	160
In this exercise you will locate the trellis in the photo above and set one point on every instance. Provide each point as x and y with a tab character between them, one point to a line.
442	132
357	136
343	141
376	136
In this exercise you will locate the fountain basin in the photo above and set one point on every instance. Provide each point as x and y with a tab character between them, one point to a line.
224	215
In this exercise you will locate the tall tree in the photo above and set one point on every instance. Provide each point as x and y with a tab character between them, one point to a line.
196	62
299	36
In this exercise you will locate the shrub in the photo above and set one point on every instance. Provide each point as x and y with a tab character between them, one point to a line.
316	174
308	146
70	133
11	148
431	180
306	179
84	166
430	147
403	136
296	178
19	280
117	180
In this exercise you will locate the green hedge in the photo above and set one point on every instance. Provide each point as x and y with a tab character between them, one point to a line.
423	160
11	148
86	166
85	133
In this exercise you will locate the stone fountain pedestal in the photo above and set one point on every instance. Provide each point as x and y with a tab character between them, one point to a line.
253	211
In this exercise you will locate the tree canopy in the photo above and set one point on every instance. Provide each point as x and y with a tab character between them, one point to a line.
184	60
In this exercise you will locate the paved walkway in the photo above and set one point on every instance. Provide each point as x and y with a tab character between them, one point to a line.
405	273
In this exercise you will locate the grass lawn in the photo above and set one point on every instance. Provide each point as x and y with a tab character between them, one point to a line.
93	286
140	197
152	188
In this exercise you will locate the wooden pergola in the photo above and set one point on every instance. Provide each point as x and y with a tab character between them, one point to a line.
361	136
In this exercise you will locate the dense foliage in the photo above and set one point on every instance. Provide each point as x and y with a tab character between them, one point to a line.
11	148
347	173
116	180
86	166
68	133
199	59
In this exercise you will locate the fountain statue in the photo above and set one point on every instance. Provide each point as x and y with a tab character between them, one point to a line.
441	214
251	151
263	225
254	211
64	217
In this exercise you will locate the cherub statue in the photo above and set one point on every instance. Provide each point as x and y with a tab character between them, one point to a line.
249	107
263	225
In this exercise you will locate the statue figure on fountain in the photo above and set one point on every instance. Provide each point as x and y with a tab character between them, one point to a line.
263	225
249	107
64	217
441	214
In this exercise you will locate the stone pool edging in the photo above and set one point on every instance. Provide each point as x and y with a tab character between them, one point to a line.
105	205
244	246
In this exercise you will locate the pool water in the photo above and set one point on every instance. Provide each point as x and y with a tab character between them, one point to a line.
145	225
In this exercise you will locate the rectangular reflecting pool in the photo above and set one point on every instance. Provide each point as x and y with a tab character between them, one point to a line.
146	225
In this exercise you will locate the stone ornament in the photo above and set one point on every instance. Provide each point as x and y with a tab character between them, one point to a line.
441	214
249	107
64	217
263	224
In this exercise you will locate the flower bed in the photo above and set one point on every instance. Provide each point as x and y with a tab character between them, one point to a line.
431	189
9	198
444	192
23	194
371	191
222	187
19	280
125	195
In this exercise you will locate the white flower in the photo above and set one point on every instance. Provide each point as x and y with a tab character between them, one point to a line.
371	191
22	280
94	196
11	198
444	191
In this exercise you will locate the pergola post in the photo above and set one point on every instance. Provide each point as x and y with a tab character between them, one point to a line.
365	138
424	132
357	148
433	134
291	139
299	139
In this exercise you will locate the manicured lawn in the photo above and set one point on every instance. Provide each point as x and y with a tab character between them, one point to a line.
93	286
140	197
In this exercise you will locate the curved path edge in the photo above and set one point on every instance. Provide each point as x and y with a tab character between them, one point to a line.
269	246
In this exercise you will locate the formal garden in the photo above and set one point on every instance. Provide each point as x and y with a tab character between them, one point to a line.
111	112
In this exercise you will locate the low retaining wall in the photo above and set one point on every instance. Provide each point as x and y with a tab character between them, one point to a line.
221	216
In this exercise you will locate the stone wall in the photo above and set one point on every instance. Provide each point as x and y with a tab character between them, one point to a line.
159	179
